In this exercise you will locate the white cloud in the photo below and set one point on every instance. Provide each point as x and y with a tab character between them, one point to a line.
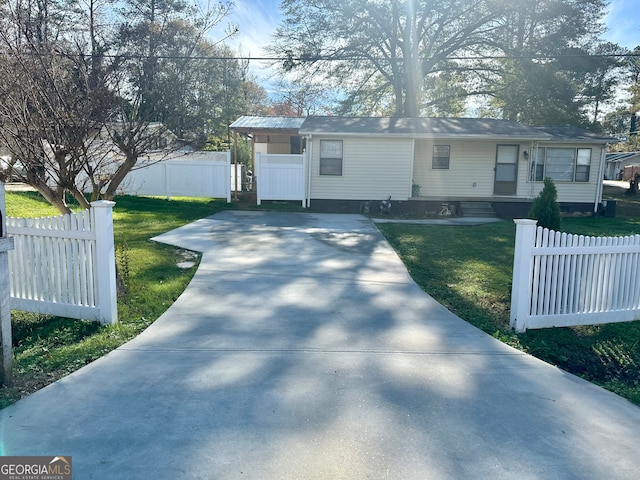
256	21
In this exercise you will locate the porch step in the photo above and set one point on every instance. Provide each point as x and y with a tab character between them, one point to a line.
477	209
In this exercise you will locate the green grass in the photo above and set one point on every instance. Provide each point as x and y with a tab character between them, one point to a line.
469	269
47	348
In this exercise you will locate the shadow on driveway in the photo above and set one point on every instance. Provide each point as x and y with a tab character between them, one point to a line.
303	350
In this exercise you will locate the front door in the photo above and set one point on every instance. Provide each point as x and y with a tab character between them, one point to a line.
506	179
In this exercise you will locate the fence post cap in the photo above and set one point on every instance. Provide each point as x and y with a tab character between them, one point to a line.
102	203
525	221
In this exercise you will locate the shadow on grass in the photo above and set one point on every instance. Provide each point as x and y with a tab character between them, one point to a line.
469	271
48	348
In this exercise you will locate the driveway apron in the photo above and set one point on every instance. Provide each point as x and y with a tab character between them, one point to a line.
302	349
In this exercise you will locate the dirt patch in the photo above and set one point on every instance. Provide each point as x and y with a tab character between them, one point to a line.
188	259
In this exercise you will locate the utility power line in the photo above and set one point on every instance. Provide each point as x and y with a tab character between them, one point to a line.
328	58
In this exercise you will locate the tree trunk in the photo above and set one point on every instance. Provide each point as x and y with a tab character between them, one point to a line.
80	198
119	176
51	197
413	70
634	186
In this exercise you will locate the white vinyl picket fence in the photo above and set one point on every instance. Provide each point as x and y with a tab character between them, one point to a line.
198	174
65	265
562	280
280	177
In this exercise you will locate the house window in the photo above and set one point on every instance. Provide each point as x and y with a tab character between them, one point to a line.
441	154
561	164
583	165
331	157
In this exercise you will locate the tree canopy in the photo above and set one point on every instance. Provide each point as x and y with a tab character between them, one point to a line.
623	121
93	86
537	61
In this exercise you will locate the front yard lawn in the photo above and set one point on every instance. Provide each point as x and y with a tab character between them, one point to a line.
48	348
468	269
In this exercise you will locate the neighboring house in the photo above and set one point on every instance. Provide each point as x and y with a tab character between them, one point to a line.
422	163
103	155
616	163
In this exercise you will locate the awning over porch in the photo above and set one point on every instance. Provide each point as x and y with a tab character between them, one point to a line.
267	125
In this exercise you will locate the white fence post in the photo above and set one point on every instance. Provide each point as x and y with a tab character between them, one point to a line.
257	178
228	175
102	212
6	244
167	181
522	274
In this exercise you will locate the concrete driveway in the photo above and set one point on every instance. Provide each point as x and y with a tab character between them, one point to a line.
303	350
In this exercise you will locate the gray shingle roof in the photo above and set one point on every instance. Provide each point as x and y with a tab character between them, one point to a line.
420	127
416	128
575	133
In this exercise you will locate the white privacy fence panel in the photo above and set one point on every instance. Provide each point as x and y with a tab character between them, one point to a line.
65	265
200	174
563	280
280	177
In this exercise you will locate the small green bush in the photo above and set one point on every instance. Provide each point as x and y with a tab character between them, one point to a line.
545	207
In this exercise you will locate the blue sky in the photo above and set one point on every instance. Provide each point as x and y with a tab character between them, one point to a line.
623	22
257	19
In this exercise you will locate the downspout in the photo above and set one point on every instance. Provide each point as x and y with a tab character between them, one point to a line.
235	157
413	163
309	165
533	166
598	199
253	163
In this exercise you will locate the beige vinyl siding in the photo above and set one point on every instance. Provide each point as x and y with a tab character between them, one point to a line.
570	192
279	149
261	148
473	161
372	169
273	148
273	144
470	162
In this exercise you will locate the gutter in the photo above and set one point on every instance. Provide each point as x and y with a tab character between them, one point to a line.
435	136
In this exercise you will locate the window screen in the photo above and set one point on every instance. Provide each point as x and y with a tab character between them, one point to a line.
583	165
330	157
559	164
441	155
